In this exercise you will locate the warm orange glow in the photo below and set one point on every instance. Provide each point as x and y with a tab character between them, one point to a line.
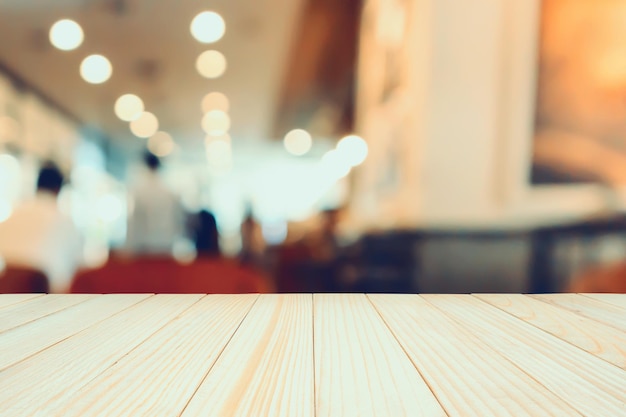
298	142
145	125
161	144
216	123
129	107
211	64
215	101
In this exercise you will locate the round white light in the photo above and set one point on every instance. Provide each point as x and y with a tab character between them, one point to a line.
298	142
211	64
161	144
145	125
128	107
96	69
66	35
208	27
353	150
215	101
216	123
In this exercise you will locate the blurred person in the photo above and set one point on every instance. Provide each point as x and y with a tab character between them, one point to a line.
252	242
325	243
157	217
38	237
206	235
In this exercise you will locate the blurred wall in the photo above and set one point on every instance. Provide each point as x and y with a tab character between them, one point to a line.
449	115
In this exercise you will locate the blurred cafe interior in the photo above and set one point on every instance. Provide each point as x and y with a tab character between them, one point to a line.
394	146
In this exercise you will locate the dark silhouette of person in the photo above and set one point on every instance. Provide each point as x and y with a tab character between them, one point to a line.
206	235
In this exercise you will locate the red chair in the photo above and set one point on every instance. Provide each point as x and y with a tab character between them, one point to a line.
165	275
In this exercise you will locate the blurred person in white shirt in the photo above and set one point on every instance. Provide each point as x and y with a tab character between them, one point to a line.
157	218
38	236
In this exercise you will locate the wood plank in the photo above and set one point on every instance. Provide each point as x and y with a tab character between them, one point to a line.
360	369
40	384
267	367
588	307
21	342
7	300
596	338
160	376
35	308
587	383
618	300
467	376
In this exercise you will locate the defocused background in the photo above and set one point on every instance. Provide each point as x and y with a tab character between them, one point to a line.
312	145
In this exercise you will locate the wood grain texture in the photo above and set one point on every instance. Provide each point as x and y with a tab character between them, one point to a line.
160	376
42	384
587	383
360	369
618	300
596	338
466	375
7	300
23	341
35	308
267	367
588	307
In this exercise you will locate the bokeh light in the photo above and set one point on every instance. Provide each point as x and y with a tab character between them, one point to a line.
298	142
215	101
353	150
66	35
208	27
211	64
96	69
161	144
216	123
145	125
128	107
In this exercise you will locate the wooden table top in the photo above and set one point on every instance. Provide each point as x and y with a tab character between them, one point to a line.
313	355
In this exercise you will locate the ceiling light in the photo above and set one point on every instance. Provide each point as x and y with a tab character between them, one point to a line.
215	101
216	123
96	69
161	144
145	125
66	35
208	27
128	107
353	150
211	64
298	142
